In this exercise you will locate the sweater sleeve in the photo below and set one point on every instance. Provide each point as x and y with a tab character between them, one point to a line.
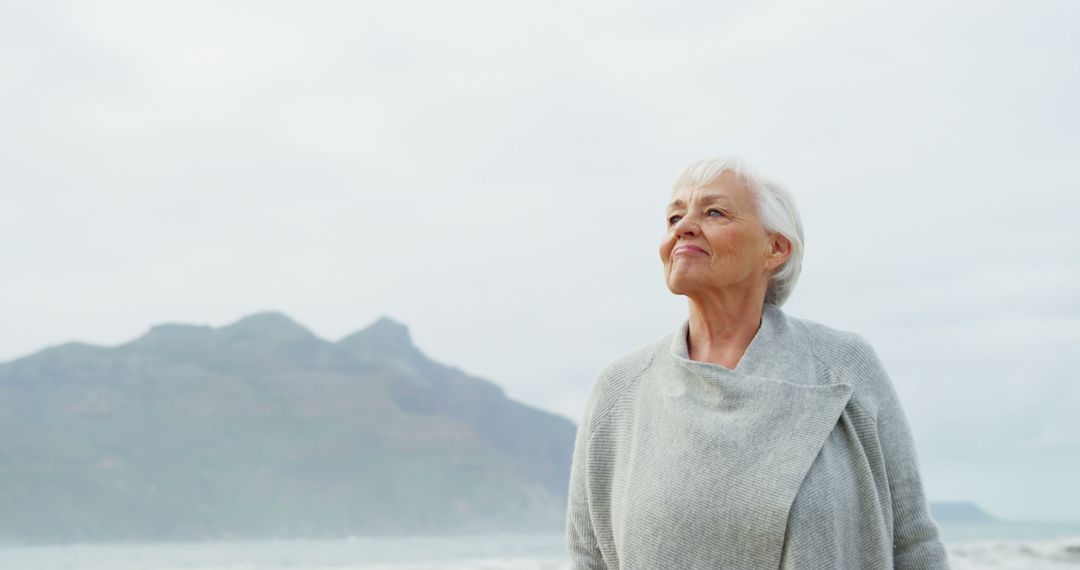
580	539
916	540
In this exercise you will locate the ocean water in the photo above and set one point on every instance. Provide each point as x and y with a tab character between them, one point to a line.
1000	546
478	552
1013	545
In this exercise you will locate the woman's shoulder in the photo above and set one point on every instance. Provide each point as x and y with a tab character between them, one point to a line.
633	361
618	376
847	357
628	367
832	345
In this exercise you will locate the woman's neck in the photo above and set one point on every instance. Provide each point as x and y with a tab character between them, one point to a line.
722	328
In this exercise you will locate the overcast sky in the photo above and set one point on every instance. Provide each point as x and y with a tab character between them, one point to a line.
493	174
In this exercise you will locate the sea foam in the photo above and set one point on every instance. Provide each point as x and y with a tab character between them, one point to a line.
1016	554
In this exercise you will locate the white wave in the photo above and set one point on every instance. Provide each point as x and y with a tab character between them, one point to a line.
477	564
1016	554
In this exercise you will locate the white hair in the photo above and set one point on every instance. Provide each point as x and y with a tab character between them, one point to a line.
775	208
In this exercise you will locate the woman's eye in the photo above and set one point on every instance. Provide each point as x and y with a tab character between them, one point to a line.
674	220
713	212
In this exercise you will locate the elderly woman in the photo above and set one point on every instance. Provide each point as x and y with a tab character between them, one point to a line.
747	438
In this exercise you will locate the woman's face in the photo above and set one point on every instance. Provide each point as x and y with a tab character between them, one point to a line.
715	241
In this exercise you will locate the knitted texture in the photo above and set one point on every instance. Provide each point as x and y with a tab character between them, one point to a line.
799	457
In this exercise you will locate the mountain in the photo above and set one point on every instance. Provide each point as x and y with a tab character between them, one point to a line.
262	429
959	512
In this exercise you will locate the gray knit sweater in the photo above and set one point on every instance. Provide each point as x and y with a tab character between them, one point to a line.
799	457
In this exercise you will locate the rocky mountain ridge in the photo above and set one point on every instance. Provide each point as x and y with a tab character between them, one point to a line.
263	429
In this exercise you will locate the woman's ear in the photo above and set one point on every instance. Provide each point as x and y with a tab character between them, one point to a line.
779	252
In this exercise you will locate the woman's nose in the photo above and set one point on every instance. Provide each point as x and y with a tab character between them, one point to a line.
686	227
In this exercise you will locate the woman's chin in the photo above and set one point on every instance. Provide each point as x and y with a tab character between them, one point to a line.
682	286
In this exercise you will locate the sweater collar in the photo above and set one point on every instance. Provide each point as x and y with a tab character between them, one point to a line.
768	419
777	351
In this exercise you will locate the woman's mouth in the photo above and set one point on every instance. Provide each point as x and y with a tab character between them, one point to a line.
688	250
